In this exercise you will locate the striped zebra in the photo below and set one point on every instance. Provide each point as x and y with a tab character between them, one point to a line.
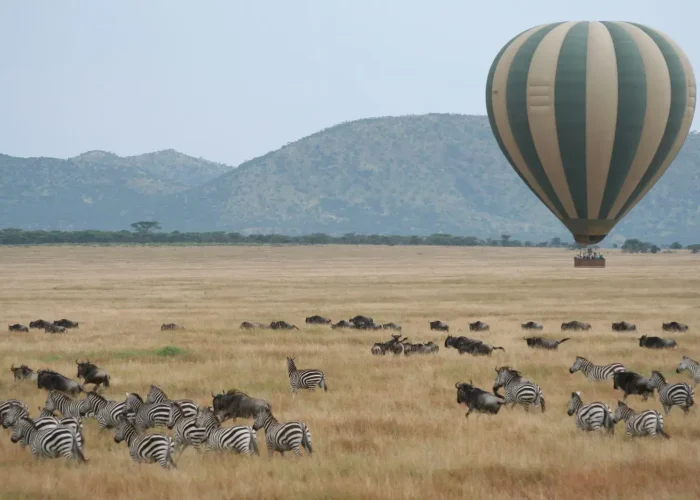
106	411
239	438
692	366
145	448
69	407
6	406
156	395
678	394
186	432
54	442
592	416
283	437
644	423
517	389
305	379
593	372
147	415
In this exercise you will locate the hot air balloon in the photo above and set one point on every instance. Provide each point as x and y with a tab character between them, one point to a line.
590	115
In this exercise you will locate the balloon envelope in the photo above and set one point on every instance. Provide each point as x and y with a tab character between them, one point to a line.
590	115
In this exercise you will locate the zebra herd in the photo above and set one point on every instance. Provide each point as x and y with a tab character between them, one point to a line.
49	436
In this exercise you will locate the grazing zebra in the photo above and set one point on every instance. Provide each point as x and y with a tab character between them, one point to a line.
692	366
679	394
305	379
592	416
52	442
57	401
145	448
186	432
106	411
593	372
156	395
518	390
644	423
239	438
283	437
146	415
6	406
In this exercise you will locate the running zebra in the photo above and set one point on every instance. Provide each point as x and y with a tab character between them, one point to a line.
186	432
57	401
156	395
106	411
305	379
145	448
6	406
644	423
239	438
518	390
146	415
52	442
46	420
692	366
679	394
592	416
283	437
593	372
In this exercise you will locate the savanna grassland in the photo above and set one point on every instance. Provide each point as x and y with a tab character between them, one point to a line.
389	427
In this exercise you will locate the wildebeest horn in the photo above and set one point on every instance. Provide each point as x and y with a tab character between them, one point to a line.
12	367
470	382
212	395
77	362
457	385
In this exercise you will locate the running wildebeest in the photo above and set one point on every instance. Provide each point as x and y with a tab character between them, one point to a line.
39	323
394	345
170	326
53	381
343	324
91	374
362	322
391	326
317	320
22	372
575	325
531	325
478	326
624	326
247	325
17	328
633	383
66	323
478	348
236	404
674	326
54	329
426	348
657	342
544	343
478	400
282	325
439	326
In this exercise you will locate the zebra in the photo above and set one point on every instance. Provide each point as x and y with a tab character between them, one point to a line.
593	372
57	401
48	442
692	366
517	389
156	395
239	438
646	422
6	406
305	379
106	411
145	448
186	432
679	394
592	416
283	437
146	415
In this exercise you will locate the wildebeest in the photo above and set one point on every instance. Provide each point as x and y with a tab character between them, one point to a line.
282	325
53	381
531	325
674	326
17	328
478	326
317	320
343	324
39	323
54	329
633	383
624	326
247	325
575	325
478	348
91	374
426	348
478	400
170	326
439	326
237	404
657	342
362	322
543	343
391	326
66	323
22	372
394	345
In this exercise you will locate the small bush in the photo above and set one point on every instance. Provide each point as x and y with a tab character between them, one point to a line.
170	351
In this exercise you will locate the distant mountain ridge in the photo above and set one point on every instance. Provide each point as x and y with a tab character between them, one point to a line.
393	175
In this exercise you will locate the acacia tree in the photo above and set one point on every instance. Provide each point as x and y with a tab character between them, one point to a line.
146	226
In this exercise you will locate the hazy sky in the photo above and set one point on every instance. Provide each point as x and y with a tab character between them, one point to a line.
231	80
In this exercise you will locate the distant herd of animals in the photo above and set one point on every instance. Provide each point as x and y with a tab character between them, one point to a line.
53	436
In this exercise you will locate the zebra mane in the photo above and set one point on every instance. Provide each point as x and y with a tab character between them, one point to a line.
95	394
511	370
155	388
136	395
659	375
685	358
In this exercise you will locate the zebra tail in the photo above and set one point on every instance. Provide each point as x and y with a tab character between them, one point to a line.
76	451
169	453
325	385
689	401
306	439
107	381
659	426
253	442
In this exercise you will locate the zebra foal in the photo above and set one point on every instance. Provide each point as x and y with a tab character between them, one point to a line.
307	378
593	372
157	395
106	411
145	448
678	394
644	423
518	390
283	437
239	438
595	416
67	406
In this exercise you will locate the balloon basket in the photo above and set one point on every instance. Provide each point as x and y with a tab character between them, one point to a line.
594	263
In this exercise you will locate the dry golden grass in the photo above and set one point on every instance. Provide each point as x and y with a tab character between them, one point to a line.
388	427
